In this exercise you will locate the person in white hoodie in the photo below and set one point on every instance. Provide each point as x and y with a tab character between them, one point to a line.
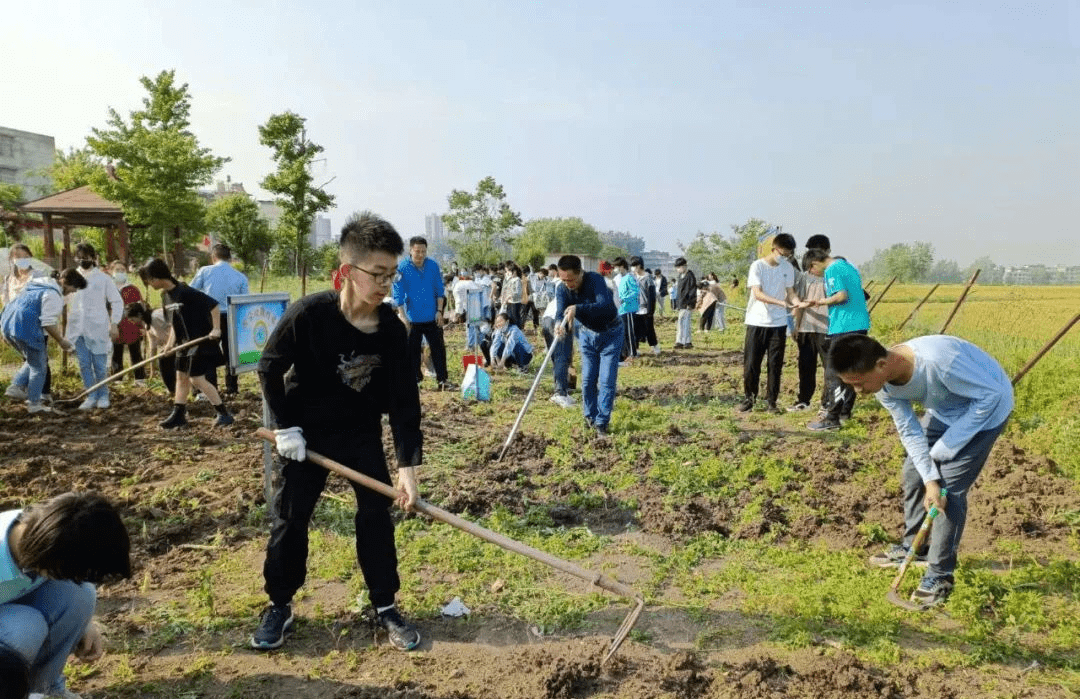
94	315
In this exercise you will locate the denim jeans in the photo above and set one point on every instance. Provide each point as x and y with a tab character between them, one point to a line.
92	367
957	477
599	370
44	625
560	358
682	335
31	375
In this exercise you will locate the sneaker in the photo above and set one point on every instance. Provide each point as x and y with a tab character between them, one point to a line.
223	420
623	365
656	349
823	425
46	398
38	408
445	386
16	392
893	556
679	345
933	590
402	634
799	407
63	694
88	404
103	403
745	406
774	409
688	345
844	417
562	401
276	620
601	430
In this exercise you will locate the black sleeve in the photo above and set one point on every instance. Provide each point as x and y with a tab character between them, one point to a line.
404	393
278	356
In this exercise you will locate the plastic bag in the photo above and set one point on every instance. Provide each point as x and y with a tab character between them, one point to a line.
476	385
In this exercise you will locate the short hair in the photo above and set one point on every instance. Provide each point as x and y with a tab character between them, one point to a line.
140	310
636	261
553	267
814	255
503	314
818	242
570	263
418	240
785	241
658	271
620	262
86	250
856	353
222	252
156	268
365	232
72	278
680	262
75	536
478	267
21	247
14	675
542	270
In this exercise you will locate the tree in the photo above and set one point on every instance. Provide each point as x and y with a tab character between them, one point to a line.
75	168
727	256
159	166
990	274
543	236
945	272
10	197
237	222
481	223
300	200
908	263
630	244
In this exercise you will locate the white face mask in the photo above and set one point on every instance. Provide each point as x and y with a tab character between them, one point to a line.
22	262
120	278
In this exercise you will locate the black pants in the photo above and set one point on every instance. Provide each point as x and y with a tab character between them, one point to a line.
232	382
629	345
841	397
167	369
530	310
517	312
761	342
645	329
134	351
301	485
811	348
434	335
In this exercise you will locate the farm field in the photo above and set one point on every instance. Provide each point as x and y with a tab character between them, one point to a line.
746	534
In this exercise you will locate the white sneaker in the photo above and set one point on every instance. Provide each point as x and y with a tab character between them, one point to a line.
46	398
15	392
103	402
88	404
38	408
656	349
562	401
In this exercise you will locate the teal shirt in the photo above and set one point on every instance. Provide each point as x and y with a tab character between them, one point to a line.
851	315
13	582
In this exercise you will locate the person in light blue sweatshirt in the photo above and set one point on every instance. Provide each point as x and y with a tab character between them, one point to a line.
509	347
967	398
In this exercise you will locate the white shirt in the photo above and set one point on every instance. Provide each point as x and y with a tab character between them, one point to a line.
92	310
774	281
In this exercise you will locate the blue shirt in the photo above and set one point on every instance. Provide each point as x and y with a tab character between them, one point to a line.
13	582
419	290
629	295
851	315
503	342
956	383
219	281
593	299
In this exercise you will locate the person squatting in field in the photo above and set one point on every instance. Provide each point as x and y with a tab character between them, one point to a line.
967	397
193	315
333	366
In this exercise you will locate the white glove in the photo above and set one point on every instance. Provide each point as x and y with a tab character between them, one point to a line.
290	443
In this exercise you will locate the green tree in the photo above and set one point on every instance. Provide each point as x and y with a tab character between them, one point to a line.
945	272
991	273
543	236
236	221
907	262
727	255
11	195
297	196
630	244
159	166
481	223
76	168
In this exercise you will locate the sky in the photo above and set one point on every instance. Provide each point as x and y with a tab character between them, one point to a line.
954	123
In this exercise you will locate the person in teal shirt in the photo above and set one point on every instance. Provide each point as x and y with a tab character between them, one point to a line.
846	303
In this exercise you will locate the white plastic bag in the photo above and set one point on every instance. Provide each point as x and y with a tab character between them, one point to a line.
476	385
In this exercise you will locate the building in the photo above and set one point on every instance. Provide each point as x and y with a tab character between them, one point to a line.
24	157
434	229
654	259
320	234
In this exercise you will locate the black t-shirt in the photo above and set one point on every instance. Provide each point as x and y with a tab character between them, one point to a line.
320	373
192	319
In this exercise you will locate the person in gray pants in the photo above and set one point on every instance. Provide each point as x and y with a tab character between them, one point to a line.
967	398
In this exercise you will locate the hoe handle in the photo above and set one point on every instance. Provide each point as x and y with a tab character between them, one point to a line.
920	539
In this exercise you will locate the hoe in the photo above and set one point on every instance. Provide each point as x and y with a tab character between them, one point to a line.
920	539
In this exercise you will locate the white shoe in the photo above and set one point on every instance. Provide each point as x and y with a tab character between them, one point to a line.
15	392
88	404
656	349
46	398
38	408
66	694
103	402
562	401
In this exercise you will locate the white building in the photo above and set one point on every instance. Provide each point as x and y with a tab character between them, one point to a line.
23	158
434	229
320	234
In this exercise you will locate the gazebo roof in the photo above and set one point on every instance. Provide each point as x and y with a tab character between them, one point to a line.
76	207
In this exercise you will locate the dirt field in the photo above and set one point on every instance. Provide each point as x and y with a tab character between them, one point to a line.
191	496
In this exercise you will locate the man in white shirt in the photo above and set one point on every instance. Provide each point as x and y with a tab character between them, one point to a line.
771	282
94	315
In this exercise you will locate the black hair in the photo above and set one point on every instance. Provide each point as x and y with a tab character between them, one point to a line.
814	255
478	267
222	252
85	250
14	675
620	262
636	261
75	536
818	242
784	241
680	262
542	269
365	232
570	263
140	310
503	314
526	269
856	353
72	278
156	268
418	240
21	247
553	267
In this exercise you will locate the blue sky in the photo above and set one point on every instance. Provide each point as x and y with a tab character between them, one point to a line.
874	123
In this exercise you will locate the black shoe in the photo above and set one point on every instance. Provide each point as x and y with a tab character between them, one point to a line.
176	419
746	406
601	430
679	345
445	386
224	419
772	408
276	620
825	424
688	345
402	634
844	417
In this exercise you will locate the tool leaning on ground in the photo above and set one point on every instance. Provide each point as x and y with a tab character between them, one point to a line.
133	367
532	391
505	542
920	538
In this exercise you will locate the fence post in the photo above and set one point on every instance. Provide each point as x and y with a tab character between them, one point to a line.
917	307
1045	349
959	301
881	295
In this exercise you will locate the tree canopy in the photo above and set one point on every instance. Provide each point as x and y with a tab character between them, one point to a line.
907	262
481	223
729	255
543	236
236	221
76	168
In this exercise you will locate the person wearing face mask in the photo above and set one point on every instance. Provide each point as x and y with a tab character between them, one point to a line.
130	334
94	315
23	268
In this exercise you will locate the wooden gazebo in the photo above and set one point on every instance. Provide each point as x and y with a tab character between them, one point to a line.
80	207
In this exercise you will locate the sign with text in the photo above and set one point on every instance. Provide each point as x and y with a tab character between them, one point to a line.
252	317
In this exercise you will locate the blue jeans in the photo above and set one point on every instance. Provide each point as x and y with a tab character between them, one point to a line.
31	375
599	370
560	358
44	626
92	367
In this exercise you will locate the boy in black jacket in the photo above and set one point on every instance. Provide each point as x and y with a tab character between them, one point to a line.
334	364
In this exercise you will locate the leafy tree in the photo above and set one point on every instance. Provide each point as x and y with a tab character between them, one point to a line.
945	272
237	222
75	168
908	263
159	167
630	244
481	223
727	255
300	200
543	236
991	273
11	195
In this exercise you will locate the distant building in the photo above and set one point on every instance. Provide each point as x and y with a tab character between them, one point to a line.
320	234
1072	275
434	229
23	157
656	258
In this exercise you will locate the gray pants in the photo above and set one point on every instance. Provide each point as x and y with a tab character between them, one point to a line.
958	475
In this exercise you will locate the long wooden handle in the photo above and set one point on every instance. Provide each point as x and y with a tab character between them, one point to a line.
135	366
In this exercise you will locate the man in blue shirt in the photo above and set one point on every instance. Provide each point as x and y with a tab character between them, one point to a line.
586	304
420	297
847	316
967	397
219	281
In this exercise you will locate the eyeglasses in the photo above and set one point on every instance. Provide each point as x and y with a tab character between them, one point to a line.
380	279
